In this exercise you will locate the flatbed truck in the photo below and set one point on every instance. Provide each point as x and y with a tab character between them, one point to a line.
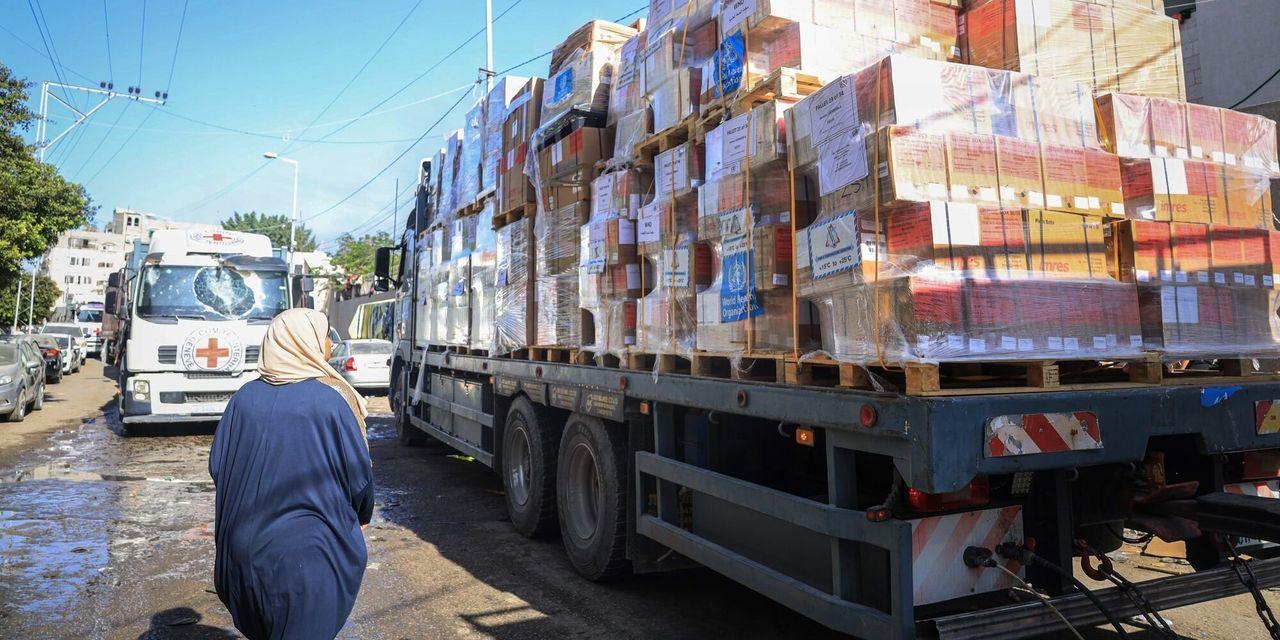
875	513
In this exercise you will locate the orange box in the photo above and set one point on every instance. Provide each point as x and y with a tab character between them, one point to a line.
1102	176
1238	256
1272	279
971	168
1168	128
1141	251
1064	178
1247	197
1020	175
955	237
1066	244
1124	122
1204	132
1191	258
1201	180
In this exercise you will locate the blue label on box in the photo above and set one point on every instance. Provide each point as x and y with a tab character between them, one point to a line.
562	86
729	63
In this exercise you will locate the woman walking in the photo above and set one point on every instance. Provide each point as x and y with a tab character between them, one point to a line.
294	488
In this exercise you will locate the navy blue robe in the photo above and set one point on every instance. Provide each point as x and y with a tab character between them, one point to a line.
294	484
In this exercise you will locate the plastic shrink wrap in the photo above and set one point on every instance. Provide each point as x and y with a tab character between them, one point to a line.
483	280
939	257
582	70
462	243
448	203
496	104
672	63
1120	46
513	281
523	117
466	180
674	265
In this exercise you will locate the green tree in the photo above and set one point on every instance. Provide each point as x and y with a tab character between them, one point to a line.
274	226
47	295
354	255
36	204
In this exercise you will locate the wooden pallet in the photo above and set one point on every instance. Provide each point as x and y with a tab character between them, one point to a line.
660	362
514	214
666	140
1023	376
763	367
821	371
565	355
782	84
597	359
467	351
1182	371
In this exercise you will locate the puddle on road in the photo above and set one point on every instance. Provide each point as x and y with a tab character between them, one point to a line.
88	510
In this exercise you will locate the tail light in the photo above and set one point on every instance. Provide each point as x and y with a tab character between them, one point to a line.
349	365
52	352
975	495
97	332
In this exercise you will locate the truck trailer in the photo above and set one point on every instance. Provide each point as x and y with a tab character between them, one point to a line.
874	512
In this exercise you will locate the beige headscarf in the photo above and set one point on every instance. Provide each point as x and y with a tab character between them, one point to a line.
294	349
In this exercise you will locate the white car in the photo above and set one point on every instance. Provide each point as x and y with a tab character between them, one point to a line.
366	364
78	340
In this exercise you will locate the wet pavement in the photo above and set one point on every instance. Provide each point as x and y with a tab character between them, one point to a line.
109	537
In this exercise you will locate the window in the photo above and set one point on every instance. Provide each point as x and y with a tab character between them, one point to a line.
67	280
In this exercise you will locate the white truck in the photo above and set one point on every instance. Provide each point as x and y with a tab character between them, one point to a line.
192	308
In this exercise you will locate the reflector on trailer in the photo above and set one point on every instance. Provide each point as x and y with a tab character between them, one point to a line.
1267	416
804	436
1031	433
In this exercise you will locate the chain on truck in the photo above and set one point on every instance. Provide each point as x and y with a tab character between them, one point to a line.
185	319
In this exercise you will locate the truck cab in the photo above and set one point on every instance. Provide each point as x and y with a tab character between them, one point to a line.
197	306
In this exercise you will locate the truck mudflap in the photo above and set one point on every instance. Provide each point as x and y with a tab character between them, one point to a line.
1029	619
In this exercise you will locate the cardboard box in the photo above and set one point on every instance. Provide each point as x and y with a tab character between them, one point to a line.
496	104
1020	175
1066	245
1145	252
1208	321
677	170
1238	257
1105	190
595	35
581	85
627	91
1247	198
1204	133
523	117
937	236
513	277
1250	141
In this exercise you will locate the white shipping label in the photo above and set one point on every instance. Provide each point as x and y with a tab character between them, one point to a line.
1055	343
595	256
842	161
1188	305
633	276
1008	343
733	12
962	222
648	225
1071	344
1026	344
626	232
977	345
1168	305
557	153
733	223
833	111
715	153
1099	342
833	245
1175	172
735	138
779	279
604	195
675	267
802	249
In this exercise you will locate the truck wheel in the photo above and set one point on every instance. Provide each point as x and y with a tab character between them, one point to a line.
591	491
398	398
529	442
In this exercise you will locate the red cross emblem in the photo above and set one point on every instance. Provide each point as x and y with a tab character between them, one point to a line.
217	237
211	352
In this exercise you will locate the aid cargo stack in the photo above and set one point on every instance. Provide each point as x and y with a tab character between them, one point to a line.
1199	240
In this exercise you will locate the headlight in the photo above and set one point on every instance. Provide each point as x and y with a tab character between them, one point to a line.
141	386
6	379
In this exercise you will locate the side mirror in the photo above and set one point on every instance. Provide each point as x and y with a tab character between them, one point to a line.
382	269
113	280
306	283
109	302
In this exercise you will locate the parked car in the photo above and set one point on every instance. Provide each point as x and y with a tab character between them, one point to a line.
70	364
54	356
21	377
78	340
88	316
366	364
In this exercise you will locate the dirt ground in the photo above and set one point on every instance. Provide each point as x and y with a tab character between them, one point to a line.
107	537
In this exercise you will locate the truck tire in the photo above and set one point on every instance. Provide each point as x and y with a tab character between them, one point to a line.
591	493
398	398
529	444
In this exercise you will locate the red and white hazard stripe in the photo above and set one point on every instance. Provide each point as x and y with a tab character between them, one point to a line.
1259	488
938	570
1031	433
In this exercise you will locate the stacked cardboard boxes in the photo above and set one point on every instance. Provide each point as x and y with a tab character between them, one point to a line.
524	114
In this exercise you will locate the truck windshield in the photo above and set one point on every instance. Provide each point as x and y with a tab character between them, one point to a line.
212	293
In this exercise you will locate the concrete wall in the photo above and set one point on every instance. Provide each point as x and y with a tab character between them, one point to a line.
1228	48
341	312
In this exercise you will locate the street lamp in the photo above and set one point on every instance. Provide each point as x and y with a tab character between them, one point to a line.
293	218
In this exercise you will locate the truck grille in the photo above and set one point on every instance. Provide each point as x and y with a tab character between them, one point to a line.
167	354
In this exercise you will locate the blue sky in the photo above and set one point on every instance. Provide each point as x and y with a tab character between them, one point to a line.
267	68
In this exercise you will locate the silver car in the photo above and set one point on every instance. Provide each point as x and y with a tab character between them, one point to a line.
366	364
21	377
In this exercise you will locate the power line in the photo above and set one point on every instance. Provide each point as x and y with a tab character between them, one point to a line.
106	24
182	22
142	41
53	58
1257	88
393	160
547	53
101	142
360	71
46	56
122	146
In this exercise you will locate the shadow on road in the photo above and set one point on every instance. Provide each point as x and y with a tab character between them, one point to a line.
458	507
182	623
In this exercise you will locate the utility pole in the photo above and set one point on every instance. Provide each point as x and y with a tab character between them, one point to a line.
17	302
488	46
395	209
43	143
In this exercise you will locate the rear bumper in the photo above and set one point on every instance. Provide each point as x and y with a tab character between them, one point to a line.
372	379
174	397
